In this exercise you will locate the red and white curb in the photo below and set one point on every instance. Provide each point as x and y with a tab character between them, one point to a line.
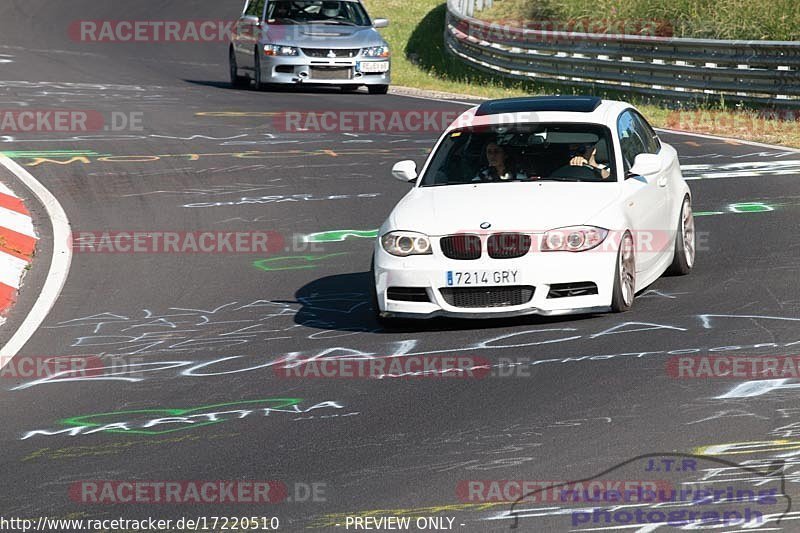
17	244
60	260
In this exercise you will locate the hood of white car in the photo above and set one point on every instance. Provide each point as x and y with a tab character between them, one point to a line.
521	207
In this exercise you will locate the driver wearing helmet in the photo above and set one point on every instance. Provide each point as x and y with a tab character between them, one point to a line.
584	155
330	9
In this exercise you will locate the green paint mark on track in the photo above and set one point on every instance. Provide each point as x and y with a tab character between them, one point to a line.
292	262
751	207
100	420
341	235
739	208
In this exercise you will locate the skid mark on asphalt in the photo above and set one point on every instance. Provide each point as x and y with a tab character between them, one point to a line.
234	325
116	448
234	188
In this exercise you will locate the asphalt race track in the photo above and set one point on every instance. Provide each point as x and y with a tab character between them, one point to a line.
566	399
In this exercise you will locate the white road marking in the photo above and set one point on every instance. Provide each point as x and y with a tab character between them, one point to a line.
59	265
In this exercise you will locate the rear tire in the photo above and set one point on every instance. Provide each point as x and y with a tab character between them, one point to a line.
685	248
378	89
237	82
624	277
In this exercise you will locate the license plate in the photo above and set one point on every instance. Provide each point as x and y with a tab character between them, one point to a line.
373	66
478	278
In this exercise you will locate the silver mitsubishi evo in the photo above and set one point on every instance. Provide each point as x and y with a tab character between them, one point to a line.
320	42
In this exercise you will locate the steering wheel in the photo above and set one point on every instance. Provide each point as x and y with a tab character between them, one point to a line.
583	172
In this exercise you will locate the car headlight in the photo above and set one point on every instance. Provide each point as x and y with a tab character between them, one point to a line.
573	239
376	51
405	243
280	50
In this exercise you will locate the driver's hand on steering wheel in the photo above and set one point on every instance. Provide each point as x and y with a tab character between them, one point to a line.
580	161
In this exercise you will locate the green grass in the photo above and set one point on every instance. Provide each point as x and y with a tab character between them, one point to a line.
415	36
715	19
419	60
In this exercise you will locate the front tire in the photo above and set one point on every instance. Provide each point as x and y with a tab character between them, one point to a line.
685	248
378	89
237	82
381	320
258	83
385	322
624	277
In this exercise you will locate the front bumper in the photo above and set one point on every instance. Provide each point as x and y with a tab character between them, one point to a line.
540	270
311	70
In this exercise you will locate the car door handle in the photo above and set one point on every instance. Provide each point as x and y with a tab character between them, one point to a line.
662	181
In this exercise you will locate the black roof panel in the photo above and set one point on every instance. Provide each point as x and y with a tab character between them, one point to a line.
574	104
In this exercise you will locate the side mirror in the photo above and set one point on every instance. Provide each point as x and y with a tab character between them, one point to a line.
252	20
380	23
646	165
405	171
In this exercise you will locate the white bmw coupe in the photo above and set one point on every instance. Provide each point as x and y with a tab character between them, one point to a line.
540	205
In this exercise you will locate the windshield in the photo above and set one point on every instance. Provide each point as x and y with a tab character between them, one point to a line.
523	152
316	12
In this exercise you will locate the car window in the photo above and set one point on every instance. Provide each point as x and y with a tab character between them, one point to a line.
630	138
523	152
651	143
255	8
317	12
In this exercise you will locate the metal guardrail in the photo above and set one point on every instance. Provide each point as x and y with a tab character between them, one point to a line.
760	72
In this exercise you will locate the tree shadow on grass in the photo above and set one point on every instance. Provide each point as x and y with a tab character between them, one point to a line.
427	50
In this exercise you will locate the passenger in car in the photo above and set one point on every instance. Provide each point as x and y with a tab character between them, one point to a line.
500	166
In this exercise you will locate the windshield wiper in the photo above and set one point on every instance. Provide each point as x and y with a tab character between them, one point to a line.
557	179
